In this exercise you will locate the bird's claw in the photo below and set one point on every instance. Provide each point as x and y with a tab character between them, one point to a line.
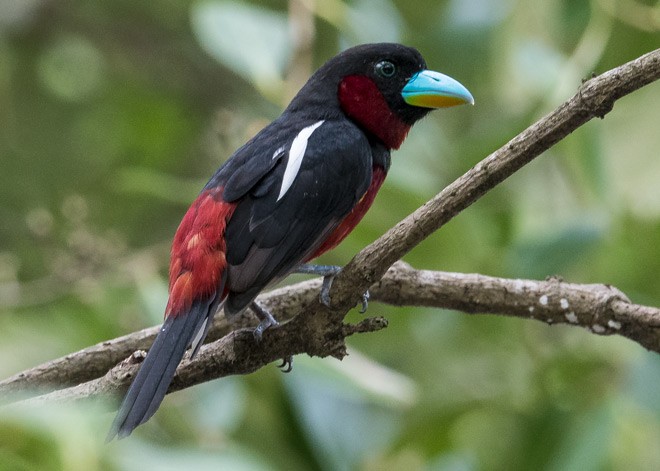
328	272
324	295
287	364
266	321
365	302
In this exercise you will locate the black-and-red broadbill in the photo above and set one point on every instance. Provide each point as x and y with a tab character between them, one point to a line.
291	193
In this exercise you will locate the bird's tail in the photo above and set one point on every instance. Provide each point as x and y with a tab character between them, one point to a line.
155	375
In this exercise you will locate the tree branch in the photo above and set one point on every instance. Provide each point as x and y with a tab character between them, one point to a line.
601	309
318	330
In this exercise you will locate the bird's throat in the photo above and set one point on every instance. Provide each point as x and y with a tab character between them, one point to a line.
361	100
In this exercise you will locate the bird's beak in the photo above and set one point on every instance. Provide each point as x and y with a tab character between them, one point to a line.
429	89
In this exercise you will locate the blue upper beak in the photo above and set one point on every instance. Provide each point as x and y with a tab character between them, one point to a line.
429	89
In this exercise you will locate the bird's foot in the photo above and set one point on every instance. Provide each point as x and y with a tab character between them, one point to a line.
328	272
266	320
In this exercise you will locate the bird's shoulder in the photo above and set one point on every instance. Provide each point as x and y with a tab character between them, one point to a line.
292	143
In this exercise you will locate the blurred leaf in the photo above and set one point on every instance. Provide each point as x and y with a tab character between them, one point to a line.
637	434
220	405
373	21
344	420
153	294
628	148
550	254
585	446
72	68
452	462
53	437
144	457
251	41
585	165
533	70
478	13
428	150
15	14
644	383
157	185
23	448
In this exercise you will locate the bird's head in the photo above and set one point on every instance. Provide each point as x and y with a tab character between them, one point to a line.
385	88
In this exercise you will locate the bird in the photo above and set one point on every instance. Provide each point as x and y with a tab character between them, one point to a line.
291	193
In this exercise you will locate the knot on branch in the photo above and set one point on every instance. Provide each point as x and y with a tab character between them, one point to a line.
603	320
592	101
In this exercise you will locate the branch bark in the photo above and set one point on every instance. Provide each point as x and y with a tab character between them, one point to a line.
319	330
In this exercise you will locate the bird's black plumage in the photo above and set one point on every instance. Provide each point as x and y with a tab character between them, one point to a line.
267	237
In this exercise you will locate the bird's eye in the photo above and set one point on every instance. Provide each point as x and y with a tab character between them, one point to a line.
385	69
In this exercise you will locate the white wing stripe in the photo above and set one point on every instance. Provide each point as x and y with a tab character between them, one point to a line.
296	154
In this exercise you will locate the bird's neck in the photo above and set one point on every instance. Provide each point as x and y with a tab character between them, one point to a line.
361	100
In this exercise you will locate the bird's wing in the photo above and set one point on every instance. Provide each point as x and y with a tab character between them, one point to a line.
288	212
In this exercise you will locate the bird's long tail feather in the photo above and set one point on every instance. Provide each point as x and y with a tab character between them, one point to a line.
155	375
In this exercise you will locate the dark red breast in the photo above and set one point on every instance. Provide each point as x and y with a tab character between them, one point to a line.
355	216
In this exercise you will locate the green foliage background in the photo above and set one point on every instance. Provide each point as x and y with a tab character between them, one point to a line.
114	114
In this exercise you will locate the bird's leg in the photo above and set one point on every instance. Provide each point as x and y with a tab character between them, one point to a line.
266	321
328	272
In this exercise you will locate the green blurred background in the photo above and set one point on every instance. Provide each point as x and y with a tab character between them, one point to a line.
114	114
